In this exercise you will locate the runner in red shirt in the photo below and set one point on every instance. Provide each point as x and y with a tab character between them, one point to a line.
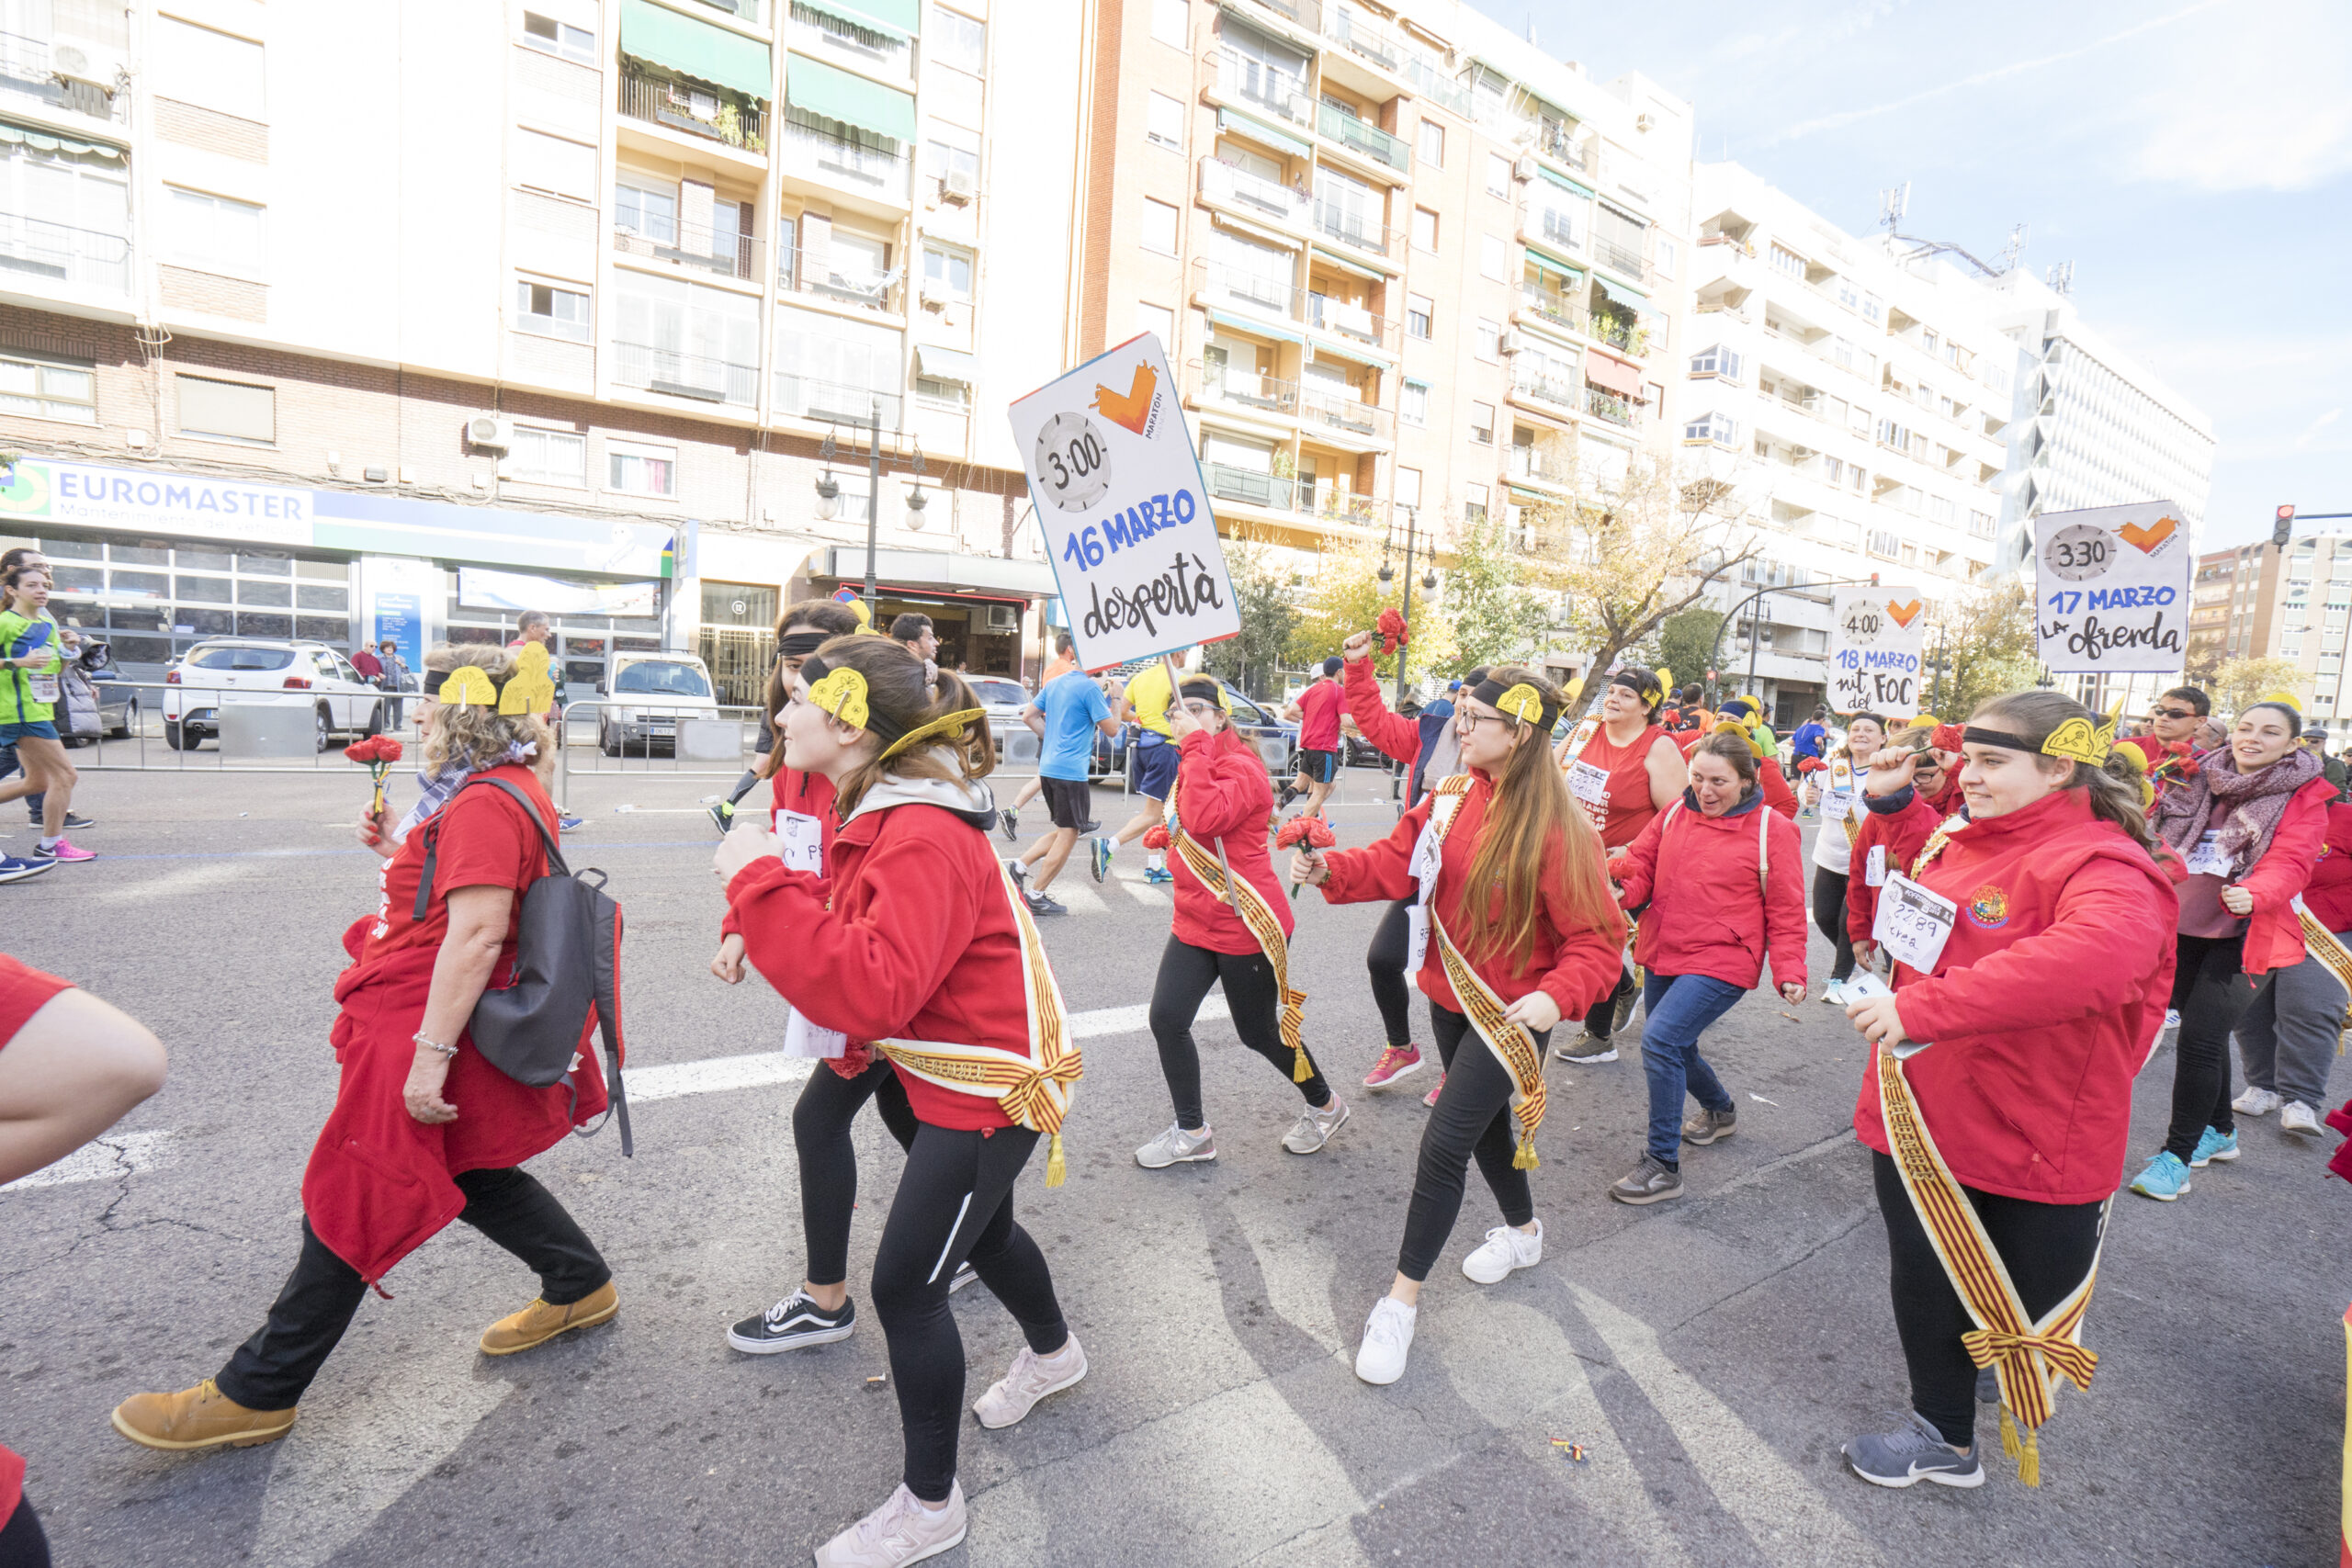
1317	711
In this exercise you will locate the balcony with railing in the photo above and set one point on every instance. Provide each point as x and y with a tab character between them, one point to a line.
821	35
1622	333
1228	185
28	75
867	168
1557	309
805	397
1352	322
1249	393
714	113
840	279
1557	142
1363	137
1547	385
677	374
1357	231
1357	33
59	253
1619	257
691	246
1256	85
752	11
1249	487
1325	504
1551	464
1608	406
1217	285
1554	228
1345	416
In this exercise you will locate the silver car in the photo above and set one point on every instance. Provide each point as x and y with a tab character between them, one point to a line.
1004	698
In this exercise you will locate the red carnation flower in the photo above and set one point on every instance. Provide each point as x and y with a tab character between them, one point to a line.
1394	633
1155	837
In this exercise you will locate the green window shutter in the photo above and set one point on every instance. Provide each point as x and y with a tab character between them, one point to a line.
697	48
813	88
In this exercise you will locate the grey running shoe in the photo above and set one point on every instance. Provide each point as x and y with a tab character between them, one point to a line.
1914	1451
1585	1050
1176	1145
1313	1128
898	1532
1648	1182
1705	1126
1010	820
1622	1014
1041	905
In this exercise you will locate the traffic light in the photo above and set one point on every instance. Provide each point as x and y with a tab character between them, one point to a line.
2283	528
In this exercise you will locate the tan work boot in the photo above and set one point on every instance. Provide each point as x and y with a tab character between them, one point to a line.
199	1417
538	1322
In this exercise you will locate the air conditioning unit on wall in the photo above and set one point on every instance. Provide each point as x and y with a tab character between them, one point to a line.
494	432
1525	168
957	185
80	60
1004	618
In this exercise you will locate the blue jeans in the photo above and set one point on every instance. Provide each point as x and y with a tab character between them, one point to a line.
1676	1010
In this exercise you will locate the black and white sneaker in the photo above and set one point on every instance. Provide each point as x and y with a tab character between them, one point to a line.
1009	820
1019	871
964	1276
790	1325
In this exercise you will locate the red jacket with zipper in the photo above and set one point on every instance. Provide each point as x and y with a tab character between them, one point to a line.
2274	936
2043	1005
919	943
1223	795
811	794
1576	966
1773	784
1710	912
1396	736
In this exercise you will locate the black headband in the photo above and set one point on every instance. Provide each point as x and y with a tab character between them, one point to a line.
799	644
814	669
1971	735
1491	691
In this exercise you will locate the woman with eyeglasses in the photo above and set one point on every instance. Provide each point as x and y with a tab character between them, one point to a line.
1232	927
1839	782
1515	928
1891	832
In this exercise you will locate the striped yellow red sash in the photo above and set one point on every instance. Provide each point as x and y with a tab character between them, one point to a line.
2030	1356
1513	1045
1243	898
1034	1090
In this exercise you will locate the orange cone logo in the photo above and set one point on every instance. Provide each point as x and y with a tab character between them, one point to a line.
1132	408
2148	538
1904	614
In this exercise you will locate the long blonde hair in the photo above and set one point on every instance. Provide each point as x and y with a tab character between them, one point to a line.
896	691
1531	806
476	737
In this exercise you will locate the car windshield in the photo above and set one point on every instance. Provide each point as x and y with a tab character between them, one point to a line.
662	678
1002	693
242	658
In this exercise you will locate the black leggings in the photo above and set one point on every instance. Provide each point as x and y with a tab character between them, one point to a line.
1187	972
2212	991
23	1543
954	1205
2047	1247
1391	945
1472	1116
272	1370
1829	913
820	1119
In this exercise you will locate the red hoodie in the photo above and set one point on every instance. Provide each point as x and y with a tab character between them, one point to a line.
1709	911
1576	966
1902	833
2330	892
2044	1003
919	943
1222	794
1773	784
1397	736
812	796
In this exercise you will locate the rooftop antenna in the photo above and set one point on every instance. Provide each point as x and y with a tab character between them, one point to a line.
2011	252
2061	279
1892	205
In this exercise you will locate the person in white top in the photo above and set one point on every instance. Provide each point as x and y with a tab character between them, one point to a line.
1841	784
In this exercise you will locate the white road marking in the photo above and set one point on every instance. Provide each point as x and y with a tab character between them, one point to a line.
121	1154
1141	891
172	884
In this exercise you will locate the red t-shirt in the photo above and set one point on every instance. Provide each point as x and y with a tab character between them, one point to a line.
1318	715
12	1482
23	992
485	840
1615	790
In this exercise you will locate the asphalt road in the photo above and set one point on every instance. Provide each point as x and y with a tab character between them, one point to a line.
1710	1354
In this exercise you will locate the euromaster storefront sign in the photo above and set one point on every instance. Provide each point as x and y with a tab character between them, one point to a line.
156	501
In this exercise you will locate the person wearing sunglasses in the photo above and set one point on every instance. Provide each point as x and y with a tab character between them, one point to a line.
2174	720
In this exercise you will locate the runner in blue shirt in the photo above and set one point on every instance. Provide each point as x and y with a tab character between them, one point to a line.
1065	716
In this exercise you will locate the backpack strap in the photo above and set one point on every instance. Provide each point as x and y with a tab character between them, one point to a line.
556	864
1764	851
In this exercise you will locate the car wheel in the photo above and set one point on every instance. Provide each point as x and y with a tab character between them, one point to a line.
375	720
129	724
326	728
179	739
607	741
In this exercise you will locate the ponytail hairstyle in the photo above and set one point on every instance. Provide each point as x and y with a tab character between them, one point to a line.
900	700
2114	785
830	616
1736	750
1530	811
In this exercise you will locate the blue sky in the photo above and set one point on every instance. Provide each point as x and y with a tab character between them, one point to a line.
2192	158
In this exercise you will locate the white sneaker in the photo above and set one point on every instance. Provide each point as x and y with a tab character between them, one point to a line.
2256	1101
1834	995
1387	1335
1507	1248
2298	1118
898	1532
1032	1378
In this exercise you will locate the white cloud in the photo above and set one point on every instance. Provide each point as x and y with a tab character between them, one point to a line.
2254	101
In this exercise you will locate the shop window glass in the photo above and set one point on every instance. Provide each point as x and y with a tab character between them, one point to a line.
203	590
321	597
147	584
250	625
271	594
204	560
259	566
140	554
323	628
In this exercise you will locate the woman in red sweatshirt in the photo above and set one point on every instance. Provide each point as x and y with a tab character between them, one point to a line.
1723	875
1515	930
916	946
2034	959
1232	926
2287	1041
1891	836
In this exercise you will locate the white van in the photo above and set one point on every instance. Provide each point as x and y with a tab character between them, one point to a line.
645	695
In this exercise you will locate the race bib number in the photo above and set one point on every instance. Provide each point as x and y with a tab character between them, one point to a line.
800	844
2207	858
1874	874
804	1039
1913	924
1589	784
44	688
1416	938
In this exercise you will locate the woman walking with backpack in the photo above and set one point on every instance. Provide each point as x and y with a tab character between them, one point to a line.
1515	930
916	945
423	1130
1719	871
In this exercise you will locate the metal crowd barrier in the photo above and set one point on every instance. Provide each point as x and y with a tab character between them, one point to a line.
237	732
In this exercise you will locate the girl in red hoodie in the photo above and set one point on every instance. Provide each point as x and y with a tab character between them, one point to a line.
2041	997
1723	876
1515	930
1891	836
1232	925
916	947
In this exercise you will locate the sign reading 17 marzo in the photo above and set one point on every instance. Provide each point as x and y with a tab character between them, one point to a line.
1123	509
2111	589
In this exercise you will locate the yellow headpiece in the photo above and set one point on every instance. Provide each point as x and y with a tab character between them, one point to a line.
842	694
1666	678
2077	741
2286	698
1524	703
468	686
530	689
940	725
1733	727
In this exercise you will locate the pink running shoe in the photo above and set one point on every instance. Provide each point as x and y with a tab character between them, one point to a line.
65	850
1435	1090
1395	1063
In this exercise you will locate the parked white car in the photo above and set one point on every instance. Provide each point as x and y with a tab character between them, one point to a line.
260	672
1005	698
645	695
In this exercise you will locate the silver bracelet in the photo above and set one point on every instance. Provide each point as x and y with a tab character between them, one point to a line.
446	1050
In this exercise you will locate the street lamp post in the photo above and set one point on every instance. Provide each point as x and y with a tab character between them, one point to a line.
1715	652
1429	581
829	492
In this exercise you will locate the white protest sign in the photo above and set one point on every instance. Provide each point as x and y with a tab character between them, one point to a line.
1875	636
2111	589
1123	509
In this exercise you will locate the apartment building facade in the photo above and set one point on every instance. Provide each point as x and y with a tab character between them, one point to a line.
2258	601
353	317
1413	271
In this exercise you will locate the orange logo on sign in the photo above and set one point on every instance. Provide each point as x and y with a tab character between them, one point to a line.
1904	614
2148	538
1132	409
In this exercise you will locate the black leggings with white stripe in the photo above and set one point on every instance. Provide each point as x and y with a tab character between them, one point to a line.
955	1206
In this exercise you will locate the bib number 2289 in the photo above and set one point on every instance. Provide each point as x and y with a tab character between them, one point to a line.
1913	924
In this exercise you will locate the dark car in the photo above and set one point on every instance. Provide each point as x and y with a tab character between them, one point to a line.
1276	738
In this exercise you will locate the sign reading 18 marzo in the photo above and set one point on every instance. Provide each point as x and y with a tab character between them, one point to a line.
2110	587
1121	502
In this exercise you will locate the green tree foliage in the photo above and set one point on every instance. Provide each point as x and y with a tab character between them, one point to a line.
1681	643
1984	637
1251	660
2239	683
1493	616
